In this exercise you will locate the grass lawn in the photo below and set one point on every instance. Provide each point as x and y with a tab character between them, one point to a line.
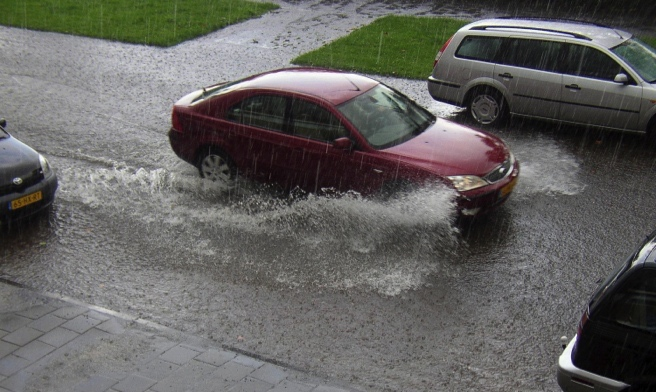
403	46
149	22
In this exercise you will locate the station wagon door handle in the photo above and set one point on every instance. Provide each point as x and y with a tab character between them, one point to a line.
573	87
506	75
378	171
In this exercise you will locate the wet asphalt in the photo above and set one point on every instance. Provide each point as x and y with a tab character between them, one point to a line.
381	296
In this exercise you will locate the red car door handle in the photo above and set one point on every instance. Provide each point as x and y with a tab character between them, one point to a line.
573	87
378	171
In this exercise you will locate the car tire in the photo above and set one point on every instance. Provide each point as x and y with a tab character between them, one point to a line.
487	106
216	165
651	131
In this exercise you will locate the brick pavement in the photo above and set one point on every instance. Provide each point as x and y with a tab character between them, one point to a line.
57	344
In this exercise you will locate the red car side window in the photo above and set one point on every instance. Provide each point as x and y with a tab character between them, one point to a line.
311	121
262	111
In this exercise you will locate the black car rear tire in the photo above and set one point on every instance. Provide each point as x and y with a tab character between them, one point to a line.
651	131
487	106
216	165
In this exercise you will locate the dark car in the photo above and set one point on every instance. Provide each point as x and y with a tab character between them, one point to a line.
615	345
320	129
27	182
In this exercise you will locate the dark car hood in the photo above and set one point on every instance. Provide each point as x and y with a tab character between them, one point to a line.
16	160
448	149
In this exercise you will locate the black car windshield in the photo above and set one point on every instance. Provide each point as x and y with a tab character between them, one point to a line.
386	117
640	56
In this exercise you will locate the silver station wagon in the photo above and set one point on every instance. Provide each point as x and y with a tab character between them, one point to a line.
558	70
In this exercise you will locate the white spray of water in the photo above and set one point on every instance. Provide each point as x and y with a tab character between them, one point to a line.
338	240
547	169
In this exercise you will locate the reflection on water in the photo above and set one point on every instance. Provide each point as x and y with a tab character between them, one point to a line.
28	237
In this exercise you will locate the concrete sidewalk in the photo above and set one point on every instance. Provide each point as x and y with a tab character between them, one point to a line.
57	344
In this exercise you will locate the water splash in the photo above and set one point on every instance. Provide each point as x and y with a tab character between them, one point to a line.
546	168
291	240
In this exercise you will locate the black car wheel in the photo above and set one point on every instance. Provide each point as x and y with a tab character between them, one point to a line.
651	131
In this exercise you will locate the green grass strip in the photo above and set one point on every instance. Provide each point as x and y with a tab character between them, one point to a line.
150	22
402	46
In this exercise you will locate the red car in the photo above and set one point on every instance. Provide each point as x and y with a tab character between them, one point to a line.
316	129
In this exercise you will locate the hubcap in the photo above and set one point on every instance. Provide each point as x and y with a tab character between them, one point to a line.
485	109
215	168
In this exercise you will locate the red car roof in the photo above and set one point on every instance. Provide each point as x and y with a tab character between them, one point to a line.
333	86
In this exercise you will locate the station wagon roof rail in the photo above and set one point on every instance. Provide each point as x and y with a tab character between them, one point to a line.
550	19
588	31
532	29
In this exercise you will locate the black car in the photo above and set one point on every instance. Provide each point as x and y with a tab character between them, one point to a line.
615	345
27	182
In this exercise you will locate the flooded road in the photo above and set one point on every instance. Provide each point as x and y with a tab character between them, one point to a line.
384	295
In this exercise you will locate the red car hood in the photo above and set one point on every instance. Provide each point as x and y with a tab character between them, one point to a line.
450	149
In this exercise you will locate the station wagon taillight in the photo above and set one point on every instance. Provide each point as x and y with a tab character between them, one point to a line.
439	54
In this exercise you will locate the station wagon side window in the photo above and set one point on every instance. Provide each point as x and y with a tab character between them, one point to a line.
262	111
590	62
479	48
532	53
311	121
634	304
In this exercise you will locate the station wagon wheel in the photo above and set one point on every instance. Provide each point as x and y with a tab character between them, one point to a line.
487	106
217	166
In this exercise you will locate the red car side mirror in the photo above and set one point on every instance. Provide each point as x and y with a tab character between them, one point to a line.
343	143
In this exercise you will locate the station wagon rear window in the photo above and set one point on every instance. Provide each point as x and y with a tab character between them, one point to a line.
479	48
532	53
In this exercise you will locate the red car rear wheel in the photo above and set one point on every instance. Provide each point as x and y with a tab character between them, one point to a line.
215	165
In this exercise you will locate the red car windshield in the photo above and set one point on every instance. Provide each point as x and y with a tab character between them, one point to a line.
385	117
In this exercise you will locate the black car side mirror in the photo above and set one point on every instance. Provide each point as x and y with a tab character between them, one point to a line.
3	123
